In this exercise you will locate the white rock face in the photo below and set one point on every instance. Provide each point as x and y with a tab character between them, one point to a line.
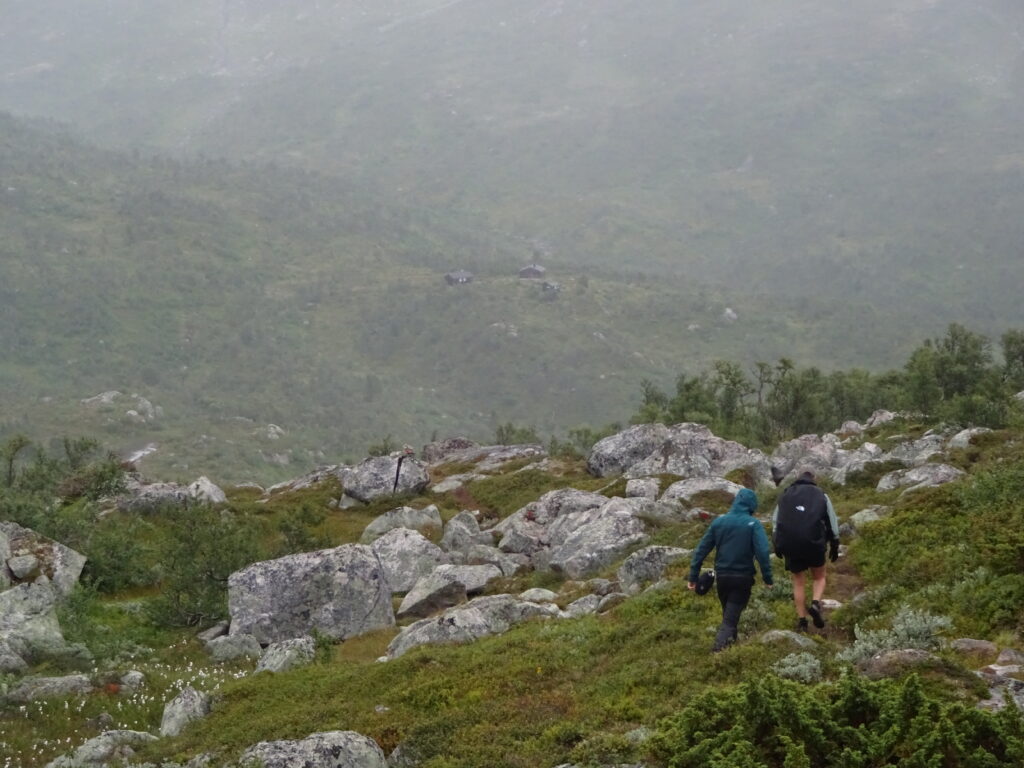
538	595
206	491
340	592
406	557
687	450
926	476
685	490
375	478
187	707
963	439
333	749
426	520
435	590
601	537
287	654
648	565
106	749
19	546
481	617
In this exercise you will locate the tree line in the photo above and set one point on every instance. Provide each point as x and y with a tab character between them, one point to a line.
957	378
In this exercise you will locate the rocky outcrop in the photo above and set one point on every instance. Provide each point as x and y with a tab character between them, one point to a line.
406	557
970	645
926	476
288	654
187	707
510	564
808	452
316	477
340	592
37	688
584	606
434	591
10	660
964	438
685	490
426	520
27	556
487	458
375	478
479	618
28	621
106	749
538	595
895	663
234	647
648	565
333	749
141	497
867	516
596	539
462	533
687	450
528	530
643	488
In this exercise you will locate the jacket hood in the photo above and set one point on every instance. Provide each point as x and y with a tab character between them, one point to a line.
745	503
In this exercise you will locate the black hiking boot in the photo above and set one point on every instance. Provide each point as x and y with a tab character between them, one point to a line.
801	624
815	611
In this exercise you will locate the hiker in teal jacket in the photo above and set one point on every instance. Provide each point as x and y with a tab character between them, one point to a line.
738	538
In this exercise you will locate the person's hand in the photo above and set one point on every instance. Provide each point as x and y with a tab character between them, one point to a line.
692	585
833	551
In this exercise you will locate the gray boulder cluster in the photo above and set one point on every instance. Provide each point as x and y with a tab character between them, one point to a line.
141	497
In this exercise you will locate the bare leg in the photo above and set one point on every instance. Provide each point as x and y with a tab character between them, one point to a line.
799	595
818	574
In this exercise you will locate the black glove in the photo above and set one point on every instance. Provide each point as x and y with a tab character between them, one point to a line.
833	551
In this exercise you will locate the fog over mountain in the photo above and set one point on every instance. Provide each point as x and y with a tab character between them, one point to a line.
847	177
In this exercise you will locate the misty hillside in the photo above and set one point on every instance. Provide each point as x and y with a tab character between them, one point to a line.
868	151
235	297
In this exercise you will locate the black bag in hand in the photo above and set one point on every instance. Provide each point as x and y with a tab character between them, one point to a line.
705	582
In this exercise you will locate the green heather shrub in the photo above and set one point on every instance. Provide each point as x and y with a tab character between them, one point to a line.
199	549
774	723
910	629
801	667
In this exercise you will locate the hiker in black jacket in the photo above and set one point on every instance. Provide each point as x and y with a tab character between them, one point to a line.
803	523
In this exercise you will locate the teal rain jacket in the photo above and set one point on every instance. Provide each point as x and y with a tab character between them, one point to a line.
737	538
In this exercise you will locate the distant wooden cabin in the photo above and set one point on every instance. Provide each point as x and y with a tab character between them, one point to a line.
459	277
533	271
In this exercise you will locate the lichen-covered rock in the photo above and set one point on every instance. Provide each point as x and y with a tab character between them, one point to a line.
481	617
866	516
333	749
432	591
970	645
463	532
964	438
142	497
106	749
187	707
376	477
341	592
536	526
611	601
600	538
30	554
643	488
406	557
36	688
10	660
926	476
232	647
812	452
687	450
584	606
917	452
685	490
28	621
288	654
648	565
426	520
510	563
132	681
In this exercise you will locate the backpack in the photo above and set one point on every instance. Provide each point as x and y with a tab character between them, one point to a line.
801	527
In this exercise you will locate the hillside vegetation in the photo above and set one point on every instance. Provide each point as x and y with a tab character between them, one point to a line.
944	563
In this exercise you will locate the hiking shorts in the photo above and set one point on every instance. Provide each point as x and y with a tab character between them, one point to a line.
805	561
